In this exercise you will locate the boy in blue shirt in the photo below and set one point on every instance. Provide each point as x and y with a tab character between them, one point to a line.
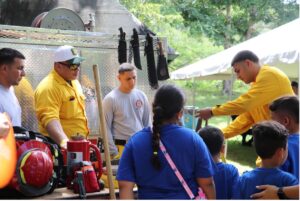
270	141
285	110
226	175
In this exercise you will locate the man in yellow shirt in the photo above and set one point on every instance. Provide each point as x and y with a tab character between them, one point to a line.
59	100
267	84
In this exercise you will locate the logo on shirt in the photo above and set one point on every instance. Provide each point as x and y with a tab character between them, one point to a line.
138	104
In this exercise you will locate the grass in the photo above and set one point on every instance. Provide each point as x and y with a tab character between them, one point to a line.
243	157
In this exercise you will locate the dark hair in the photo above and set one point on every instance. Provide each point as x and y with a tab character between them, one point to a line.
288	105
294	84
168	101
213	138
268	137
7	55
243	55
126	67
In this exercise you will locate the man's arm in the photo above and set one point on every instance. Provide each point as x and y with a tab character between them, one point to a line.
57	133
108	114
262	92
4	125
240	125
269	192
48	102
146	114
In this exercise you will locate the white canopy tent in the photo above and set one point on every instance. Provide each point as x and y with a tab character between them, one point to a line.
278	47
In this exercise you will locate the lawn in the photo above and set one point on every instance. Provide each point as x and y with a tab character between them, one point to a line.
242	157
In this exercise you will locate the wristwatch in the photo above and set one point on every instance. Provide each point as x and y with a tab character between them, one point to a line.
281	194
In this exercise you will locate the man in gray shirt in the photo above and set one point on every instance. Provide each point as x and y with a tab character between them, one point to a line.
11	73
126	110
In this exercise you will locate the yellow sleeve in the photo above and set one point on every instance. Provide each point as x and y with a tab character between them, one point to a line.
47	104
240	125
263	91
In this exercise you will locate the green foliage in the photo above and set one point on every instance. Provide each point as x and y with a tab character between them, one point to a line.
163	18
235	18
196	29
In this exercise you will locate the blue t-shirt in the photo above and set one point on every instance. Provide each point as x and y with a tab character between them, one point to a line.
291	164
246	185
225	178
188	152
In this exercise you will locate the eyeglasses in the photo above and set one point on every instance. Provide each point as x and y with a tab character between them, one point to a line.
71	66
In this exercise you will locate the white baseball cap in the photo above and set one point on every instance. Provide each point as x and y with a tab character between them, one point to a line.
68	54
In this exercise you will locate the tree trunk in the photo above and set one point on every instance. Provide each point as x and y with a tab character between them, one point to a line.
227	43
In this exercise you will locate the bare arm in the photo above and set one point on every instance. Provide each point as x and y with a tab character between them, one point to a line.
126	190
204	113
4	125
291	192
208	187
57	133
107	104
270	192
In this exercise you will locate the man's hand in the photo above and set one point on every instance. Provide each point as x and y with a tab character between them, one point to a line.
4	125
268	192
63	143
205	113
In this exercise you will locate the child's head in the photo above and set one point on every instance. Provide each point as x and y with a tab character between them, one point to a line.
213	138
270	141
285	110
167	107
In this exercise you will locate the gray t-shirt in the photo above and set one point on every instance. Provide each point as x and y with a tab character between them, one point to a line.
125	114
10	104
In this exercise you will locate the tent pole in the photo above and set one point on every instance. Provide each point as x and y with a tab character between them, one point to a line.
230	98
194	107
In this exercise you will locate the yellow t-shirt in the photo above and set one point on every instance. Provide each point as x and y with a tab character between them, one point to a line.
253	106
56	99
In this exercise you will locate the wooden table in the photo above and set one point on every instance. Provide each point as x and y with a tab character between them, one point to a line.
64	193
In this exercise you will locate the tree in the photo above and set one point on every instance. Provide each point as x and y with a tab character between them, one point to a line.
233	21
163	18
209	17
198	28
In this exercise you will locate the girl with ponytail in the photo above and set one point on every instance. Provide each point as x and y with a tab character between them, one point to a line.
144	164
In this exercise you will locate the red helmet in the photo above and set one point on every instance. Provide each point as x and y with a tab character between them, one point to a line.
34	173
36	168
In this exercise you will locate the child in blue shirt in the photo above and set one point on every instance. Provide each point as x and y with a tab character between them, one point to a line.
226	175
270	141
144	164
285	110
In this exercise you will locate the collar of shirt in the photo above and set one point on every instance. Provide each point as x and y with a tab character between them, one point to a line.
61	80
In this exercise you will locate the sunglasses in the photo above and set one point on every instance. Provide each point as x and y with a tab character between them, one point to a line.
71	66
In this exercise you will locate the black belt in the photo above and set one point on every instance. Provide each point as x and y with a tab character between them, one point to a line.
120	142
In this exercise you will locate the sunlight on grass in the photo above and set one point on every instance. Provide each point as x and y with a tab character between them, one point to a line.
243	157
241	168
